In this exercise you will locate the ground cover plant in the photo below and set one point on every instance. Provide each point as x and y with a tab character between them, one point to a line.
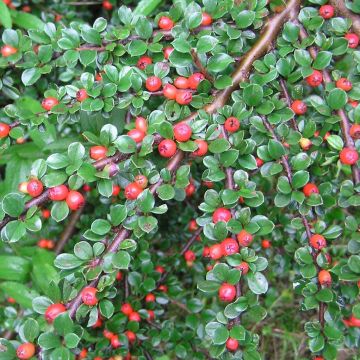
179	179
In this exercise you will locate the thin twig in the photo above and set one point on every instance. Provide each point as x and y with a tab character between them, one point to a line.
288	100
200	66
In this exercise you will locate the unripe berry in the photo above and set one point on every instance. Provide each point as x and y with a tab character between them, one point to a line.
126	309
75	200
344	84
326	11
230	246
182	132
141	180
206	19
298	107
8	50
221	214
202	148
216	251
81	95
181	82
136	135
165	23
227	292
265	244
141	124
232	124
244	238
243	267
324	278
167	148
349	156
317	241
25	351
305	143
195	79
53	311
309	189
189	255
232	344
353	40
35	187
23	187
107	5
132	191
88	296
167	51
183	97
170	91
49	102
134	316
315	79
150	298
208	184
4	130
355	131
58	193
143	62
153	83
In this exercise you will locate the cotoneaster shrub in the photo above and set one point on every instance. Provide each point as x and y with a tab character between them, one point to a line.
179	179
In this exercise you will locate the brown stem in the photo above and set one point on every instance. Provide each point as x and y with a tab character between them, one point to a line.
68	231
82	3
200	66
288	101
342	10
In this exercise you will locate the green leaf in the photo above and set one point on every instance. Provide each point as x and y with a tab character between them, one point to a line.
336	99
31	330
257	283
21	293
100	227
121	260
219	62
125	144
30	76
5	18
13	204
26	21
253	94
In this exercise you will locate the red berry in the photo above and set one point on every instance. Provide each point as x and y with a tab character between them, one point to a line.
131	336
141	180
108	334
116	190
353	103
353	40
136	135
190	189
195	79
4	130
265	244
298	107
134	316
221	214
126	309
355	131
259	162
119	276
160	269
42	243
232	124
35	187
167	51
193	226
143	62
202	148
49	102
230	246
317	241
45	213
8	50
150	298
181	82
50	244
151	315
107	5
243	267
206	252
86	188
216	251
98	152
141	124
83	353
344	84
132	191
326	11
58	193
208	184
167	148
189	255
244	238
98	77
349	156
115	342
315	79
26	8
53	311
324	278
227	292
206	19
354	321
183	97
75	200
153	83
165	23
25	351
88	296
81	95
170	91
182	132
309	189
232	344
